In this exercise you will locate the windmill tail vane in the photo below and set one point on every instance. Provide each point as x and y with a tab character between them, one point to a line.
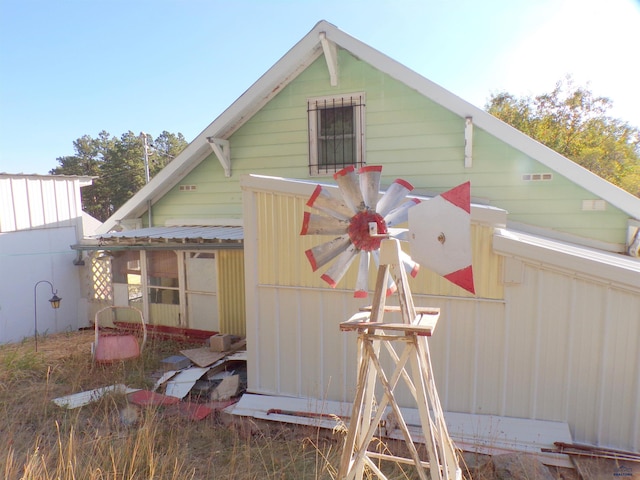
360	221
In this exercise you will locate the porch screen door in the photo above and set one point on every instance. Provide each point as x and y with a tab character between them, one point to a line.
201	291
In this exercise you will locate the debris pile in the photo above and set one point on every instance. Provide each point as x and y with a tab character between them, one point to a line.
193	384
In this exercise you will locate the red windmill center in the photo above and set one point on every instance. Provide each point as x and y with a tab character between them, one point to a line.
359	231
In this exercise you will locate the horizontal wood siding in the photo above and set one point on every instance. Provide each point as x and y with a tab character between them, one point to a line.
411	136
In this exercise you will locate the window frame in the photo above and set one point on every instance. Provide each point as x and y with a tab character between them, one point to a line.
355	100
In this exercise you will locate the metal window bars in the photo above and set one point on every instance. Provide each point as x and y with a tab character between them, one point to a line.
335	133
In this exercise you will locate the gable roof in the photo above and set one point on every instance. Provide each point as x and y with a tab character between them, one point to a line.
303	54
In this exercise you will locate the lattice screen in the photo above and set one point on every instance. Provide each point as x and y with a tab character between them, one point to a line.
101	278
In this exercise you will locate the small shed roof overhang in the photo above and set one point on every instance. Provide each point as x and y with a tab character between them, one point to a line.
167	238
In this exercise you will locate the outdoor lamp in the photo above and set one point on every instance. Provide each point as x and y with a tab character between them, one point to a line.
54	301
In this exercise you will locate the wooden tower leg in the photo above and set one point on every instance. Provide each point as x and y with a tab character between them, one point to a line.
367	411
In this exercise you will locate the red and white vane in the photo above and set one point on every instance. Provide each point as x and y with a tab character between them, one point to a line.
440	235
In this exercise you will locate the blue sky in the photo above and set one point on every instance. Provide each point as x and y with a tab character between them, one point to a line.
75	67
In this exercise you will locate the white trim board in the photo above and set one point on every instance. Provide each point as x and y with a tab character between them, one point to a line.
483	434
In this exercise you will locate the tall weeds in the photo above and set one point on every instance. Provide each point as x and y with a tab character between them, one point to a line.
41	441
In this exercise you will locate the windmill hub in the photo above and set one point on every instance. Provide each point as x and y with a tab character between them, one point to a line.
360	230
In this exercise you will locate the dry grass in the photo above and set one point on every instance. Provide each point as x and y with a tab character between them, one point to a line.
43	441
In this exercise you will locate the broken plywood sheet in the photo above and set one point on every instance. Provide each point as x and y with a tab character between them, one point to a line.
184	381
202	357
81	399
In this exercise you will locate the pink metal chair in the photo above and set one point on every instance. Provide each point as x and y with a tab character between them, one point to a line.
115	346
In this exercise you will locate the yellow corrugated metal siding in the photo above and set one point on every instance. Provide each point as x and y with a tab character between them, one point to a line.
231	299
283	261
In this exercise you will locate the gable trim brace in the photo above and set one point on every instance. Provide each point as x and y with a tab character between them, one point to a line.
468	142
331	56
222	150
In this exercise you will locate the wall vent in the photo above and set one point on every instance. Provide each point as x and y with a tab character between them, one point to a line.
594	205
187	188
537	177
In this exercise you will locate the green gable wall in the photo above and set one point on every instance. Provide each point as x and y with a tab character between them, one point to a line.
410	135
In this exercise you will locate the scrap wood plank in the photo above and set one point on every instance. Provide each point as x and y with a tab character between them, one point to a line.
584	450
267	407
203	356
184	381
81	399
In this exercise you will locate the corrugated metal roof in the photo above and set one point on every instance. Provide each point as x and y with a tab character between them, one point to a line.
180	234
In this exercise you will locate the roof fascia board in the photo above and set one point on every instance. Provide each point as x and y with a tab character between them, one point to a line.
169	176
609	267
285	70
305	52
481	119
296	60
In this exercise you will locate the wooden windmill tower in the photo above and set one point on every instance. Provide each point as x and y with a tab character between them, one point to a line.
439	233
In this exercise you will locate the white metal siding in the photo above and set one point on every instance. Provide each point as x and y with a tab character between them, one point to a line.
563	345
38	201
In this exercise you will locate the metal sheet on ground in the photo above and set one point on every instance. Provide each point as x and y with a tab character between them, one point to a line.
184	381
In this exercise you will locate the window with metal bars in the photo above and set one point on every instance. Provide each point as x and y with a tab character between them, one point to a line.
336	133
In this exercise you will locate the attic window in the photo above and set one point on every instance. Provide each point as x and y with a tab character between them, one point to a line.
537	177
336	133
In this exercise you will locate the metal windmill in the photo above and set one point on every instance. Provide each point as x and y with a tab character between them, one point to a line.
439	233
362	219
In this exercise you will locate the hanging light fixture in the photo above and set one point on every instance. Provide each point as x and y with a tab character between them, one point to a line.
54	301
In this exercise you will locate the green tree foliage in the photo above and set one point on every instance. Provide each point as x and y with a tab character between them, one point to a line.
574	122
118	165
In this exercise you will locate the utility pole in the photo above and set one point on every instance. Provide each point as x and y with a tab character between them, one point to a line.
146	170
146	156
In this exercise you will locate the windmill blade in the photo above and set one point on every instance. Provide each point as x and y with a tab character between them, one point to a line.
440	235
393	197
401	214
322	200
349	185
340	266
314	224
409	264
321	254
370	185
391	284
362	282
